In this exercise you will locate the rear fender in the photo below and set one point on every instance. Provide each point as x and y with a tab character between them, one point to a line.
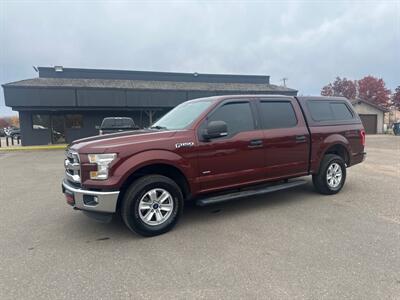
328	142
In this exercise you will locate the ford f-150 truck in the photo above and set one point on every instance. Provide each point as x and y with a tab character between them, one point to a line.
211	150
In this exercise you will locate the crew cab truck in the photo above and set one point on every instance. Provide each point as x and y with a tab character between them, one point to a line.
211	150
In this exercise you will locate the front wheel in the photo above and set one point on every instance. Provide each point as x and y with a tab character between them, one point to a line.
152	205
331	176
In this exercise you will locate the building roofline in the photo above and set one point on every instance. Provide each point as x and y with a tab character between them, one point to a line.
144	85
358	100
61	72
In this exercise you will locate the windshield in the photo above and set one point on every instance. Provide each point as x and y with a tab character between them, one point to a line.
182	115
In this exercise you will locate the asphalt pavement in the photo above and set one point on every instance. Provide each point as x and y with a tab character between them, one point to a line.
293	244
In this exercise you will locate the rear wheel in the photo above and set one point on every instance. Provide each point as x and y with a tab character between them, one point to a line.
331	176
152	205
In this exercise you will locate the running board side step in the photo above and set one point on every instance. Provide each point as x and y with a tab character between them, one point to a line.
247	193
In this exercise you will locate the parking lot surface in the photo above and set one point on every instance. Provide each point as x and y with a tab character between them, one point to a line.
294	244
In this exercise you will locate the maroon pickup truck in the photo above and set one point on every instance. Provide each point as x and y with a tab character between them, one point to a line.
211	150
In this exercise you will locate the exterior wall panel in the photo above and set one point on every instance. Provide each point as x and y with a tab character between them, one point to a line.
101	98
30	136
155	98
42	97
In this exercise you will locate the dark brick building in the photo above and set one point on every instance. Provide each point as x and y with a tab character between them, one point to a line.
64	104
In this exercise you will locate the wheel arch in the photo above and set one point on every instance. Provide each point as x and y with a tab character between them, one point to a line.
337	149
162	168
333	144
340	150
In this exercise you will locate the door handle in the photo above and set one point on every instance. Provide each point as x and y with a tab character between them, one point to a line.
255	144
301	138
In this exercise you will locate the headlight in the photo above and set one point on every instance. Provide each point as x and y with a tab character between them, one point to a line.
103	162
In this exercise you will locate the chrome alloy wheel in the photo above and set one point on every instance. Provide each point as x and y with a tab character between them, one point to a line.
334	175
156	207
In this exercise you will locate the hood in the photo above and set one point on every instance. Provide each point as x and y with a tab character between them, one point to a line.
114	142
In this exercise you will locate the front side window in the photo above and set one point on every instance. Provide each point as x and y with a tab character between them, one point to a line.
182	116
73	121
277	114
237	116
40	121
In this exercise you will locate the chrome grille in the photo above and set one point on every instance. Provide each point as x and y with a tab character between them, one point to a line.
72	166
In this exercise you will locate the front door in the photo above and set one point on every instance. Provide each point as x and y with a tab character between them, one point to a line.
58	129
235	159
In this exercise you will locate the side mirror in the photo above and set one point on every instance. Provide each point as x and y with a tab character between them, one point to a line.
215	129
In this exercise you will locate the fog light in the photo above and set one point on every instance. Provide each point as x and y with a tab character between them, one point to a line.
70	199
90	200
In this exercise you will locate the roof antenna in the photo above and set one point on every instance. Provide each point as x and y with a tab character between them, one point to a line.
36	70
284	79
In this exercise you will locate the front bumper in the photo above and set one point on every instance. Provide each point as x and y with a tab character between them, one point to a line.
90	200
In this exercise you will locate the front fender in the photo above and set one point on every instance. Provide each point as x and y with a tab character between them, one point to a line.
151	157
129	165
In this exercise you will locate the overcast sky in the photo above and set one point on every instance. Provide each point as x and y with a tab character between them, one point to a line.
308	42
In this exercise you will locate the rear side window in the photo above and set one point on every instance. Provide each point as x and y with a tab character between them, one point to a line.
329	111
236	115
320	110
341	111
277	114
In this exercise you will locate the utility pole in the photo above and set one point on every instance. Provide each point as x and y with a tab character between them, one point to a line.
284	79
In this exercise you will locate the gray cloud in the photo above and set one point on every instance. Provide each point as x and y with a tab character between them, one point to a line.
308	42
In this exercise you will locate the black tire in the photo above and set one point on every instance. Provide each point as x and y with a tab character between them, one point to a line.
139	188
320	180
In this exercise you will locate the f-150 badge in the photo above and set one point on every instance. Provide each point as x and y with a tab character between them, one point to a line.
186	144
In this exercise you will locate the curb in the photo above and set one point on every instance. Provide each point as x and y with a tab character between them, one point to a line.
30	148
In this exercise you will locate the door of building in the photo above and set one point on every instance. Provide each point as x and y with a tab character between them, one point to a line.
58	129
370	123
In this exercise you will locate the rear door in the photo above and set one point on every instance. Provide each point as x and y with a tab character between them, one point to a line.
285	137
237	158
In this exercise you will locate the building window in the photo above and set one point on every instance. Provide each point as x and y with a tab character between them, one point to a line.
74	121
40	121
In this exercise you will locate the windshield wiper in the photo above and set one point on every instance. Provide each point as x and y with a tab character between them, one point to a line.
159	127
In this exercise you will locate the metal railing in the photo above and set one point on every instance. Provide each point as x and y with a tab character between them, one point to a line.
10	141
